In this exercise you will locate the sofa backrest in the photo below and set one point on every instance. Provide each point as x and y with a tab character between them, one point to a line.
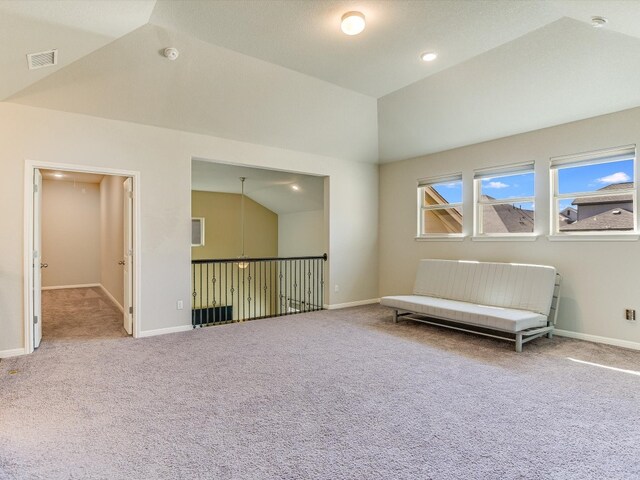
509	285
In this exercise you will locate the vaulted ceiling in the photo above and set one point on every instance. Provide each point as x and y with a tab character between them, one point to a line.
280	73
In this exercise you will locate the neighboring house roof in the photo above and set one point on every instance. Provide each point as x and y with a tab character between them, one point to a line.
504	218
614	219
451	218
568	211
613	198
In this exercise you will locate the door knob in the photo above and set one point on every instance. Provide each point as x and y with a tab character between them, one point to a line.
121	262
44	265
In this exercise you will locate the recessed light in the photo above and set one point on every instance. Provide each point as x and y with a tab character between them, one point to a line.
598	21
428	56
352	23
295	187
58	175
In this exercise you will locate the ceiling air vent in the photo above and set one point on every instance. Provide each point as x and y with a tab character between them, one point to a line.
42	59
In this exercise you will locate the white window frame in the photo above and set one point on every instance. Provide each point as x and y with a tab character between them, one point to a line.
626	152
478	203
201	220
425	182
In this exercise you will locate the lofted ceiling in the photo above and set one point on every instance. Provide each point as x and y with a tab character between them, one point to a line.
280	72
271	188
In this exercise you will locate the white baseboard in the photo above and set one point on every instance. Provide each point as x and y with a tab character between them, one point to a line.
62	287
336	306
11	353
112	298
598	339
163	331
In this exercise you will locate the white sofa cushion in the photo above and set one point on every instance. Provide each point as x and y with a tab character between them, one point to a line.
512	286
496	318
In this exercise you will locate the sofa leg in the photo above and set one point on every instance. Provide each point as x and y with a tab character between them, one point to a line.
550	334
395	316
518	342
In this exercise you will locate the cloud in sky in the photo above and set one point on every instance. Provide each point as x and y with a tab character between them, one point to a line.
617	177
496	185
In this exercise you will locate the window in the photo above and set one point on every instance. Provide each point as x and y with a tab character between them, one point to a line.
197	232
594	193
440	206
504	200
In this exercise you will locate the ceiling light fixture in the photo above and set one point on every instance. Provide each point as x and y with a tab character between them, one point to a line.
428	56
295	187
58	175
598	21
241	263
352	23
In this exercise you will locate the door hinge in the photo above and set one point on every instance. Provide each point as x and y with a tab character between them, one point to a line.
131	310
130	194
35	319
35	188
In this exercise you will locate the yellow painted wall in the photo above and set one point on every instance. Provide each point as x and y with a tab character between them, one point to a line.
223	237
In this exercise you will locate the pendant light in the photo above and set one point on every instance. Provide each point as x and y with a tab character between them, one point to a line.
242	264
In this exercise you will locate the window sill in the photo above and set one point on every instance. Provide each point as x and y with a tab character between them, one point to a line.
440	238
591	237
505	238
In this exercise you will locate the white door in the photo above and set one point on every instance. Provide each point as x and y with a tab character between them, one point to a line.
128	255
37	259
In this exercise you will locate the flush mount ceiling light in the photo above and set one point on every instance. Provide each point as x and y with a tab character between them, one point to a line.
295	187
352	23
428	56
598	21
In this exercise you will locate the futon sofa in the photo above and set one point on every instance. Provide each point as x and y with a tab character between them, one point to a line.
510	301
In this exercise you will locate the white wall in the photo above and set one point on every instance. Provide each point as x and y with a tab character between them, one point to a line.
301	234
163	158
70	233
112	235
600	278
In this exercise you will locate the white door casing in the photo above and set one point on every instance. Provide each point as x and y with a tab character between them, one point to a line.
128	255
37	258
32	225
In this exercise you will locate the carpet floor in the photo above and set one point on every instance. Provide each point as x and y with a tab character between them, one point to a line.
342	394
80	313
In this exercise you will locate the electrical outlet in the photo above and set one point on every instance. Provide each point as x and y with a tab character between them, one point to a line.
630	314
179	304
336	289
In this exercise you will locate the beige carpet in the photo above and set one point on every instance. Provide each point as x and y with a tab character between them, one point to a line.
341	394
79	313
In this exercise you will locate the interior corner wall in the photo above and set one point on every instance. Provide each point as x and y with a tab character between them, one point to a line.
70	233
599	277
112	236
162	158
223	228
301	234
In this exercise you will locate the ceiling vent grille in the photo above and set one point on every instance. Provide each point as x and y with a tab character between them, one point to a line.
42	59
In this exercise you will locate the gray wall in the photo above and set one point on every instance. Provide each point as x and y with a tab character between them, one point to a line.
70	233
600	277
163	158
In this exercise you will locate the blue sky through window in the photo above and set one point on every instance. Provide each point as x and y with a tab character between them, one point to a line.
450	191
589	178
509	186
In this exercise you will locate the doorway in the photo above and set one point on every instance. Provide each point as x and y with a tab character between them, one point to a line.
88	264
